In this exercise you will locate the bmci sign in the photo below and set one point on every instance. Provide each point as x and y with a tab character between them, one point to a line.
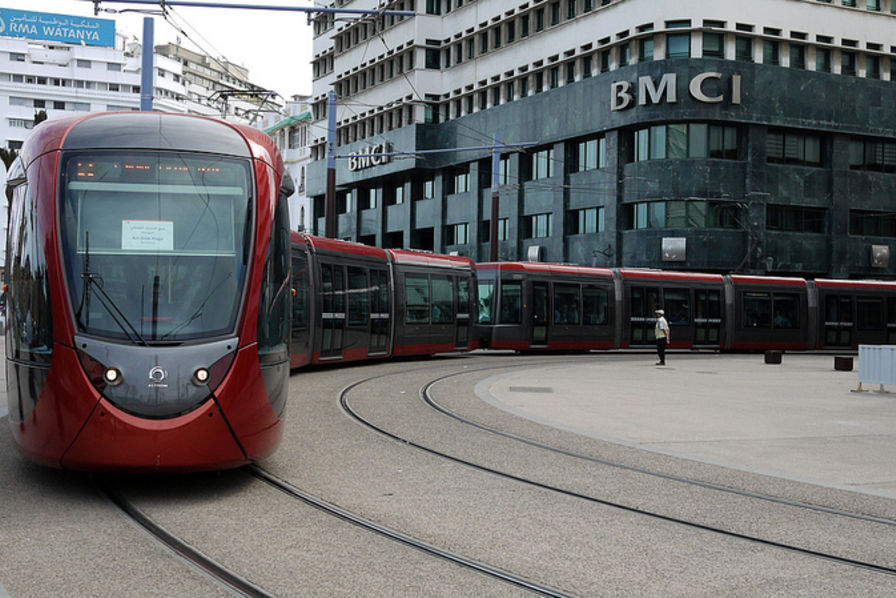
708	88
69	29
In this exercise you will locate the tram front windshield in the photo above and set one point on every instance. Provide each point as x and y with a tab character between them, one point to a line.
155	243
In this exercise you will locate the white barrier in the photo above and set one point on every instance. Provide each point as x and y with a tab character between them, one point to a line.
877	365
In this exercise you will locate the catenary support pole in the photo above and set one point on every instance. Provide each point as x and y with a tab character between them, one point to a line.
493	223
147	69
330	200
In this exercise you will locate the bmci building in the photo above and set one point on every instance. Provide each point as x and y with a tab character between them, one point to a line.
711	135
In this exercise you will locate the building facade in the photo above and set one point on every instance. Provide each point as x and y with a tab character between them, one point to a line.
60	78
719	136
290	131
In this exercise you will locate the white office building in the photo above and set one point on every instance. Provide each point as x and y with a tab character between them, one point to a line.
290	131
715	135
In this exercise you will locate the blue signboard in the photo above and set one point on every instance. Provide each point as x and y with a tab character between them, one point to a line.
49	27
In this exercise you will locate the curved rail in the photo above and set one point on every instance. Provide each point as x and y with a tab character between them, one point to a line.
367	524
343	400
426	398
206	565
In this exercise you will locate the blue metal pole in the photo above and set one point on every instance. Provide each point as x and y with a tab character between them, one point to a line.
493	223
330	228
147	69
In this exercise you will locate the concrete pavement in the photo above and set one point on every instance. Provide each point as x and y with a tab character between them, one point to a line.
798	420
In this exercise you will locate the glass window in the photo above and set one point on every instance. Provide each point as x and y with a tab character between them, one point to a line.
713	44
757	310
160	234
485	291
595	301
646	49
869	314
274	304
417	299
463	297
786	311
676	302
301	285
358	297
657	142
678	45
677	141
743	48
29	321
442	300
823	60
511	302
567	309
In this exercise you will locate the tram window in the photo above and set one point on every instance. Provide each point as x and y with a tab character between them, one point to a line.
358	307
595	303
676	302
274	307
486	301
463	297
300	284
511	303
442	300
417	299
786	311
869	314
757	310
29	321
379	296
566	304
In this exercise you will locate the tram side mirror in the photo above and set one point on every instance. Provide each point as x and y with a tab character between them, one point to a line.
287	185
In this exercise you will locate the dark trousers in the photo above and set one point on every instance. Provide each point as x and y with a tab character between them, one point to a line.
661	349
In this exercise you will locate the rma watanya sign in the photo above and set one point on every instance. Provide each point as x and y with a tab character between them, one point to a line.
49	27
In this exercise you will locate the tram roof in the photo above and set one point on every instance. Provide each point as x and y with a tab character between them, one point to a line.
856	284
669	275
158	130
770	280
318	244
423	258
547	267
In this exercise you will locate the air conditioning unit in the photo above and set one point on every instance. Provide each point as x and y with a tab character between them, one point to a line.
535	253
674	249
880	256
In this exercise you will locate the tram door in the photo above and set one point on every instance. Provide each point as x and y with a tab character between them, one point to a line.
380	310
838	321
300	336
462	334
332	278
707	316
540	313
642	319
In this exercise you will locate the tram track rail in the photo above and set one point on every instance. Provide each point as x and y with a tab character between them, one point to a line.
424	391
224	576
367	524
426	397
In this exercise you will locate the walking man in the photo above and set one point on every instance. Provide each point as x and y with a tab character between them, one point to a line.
662	336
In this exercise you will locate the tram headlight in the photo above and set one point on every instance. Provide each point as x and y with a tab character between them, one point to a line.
200	376
112	376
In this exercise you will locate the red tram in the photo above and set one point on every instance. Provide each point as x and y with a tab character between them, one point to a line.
355	302
147	293
536	306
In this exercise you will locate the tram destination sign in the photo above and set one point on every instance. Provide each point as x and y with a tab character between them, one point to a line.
709	88
49	27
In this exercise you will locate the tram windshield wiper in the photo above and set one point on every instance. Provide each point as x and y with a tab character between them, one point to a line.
96	281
